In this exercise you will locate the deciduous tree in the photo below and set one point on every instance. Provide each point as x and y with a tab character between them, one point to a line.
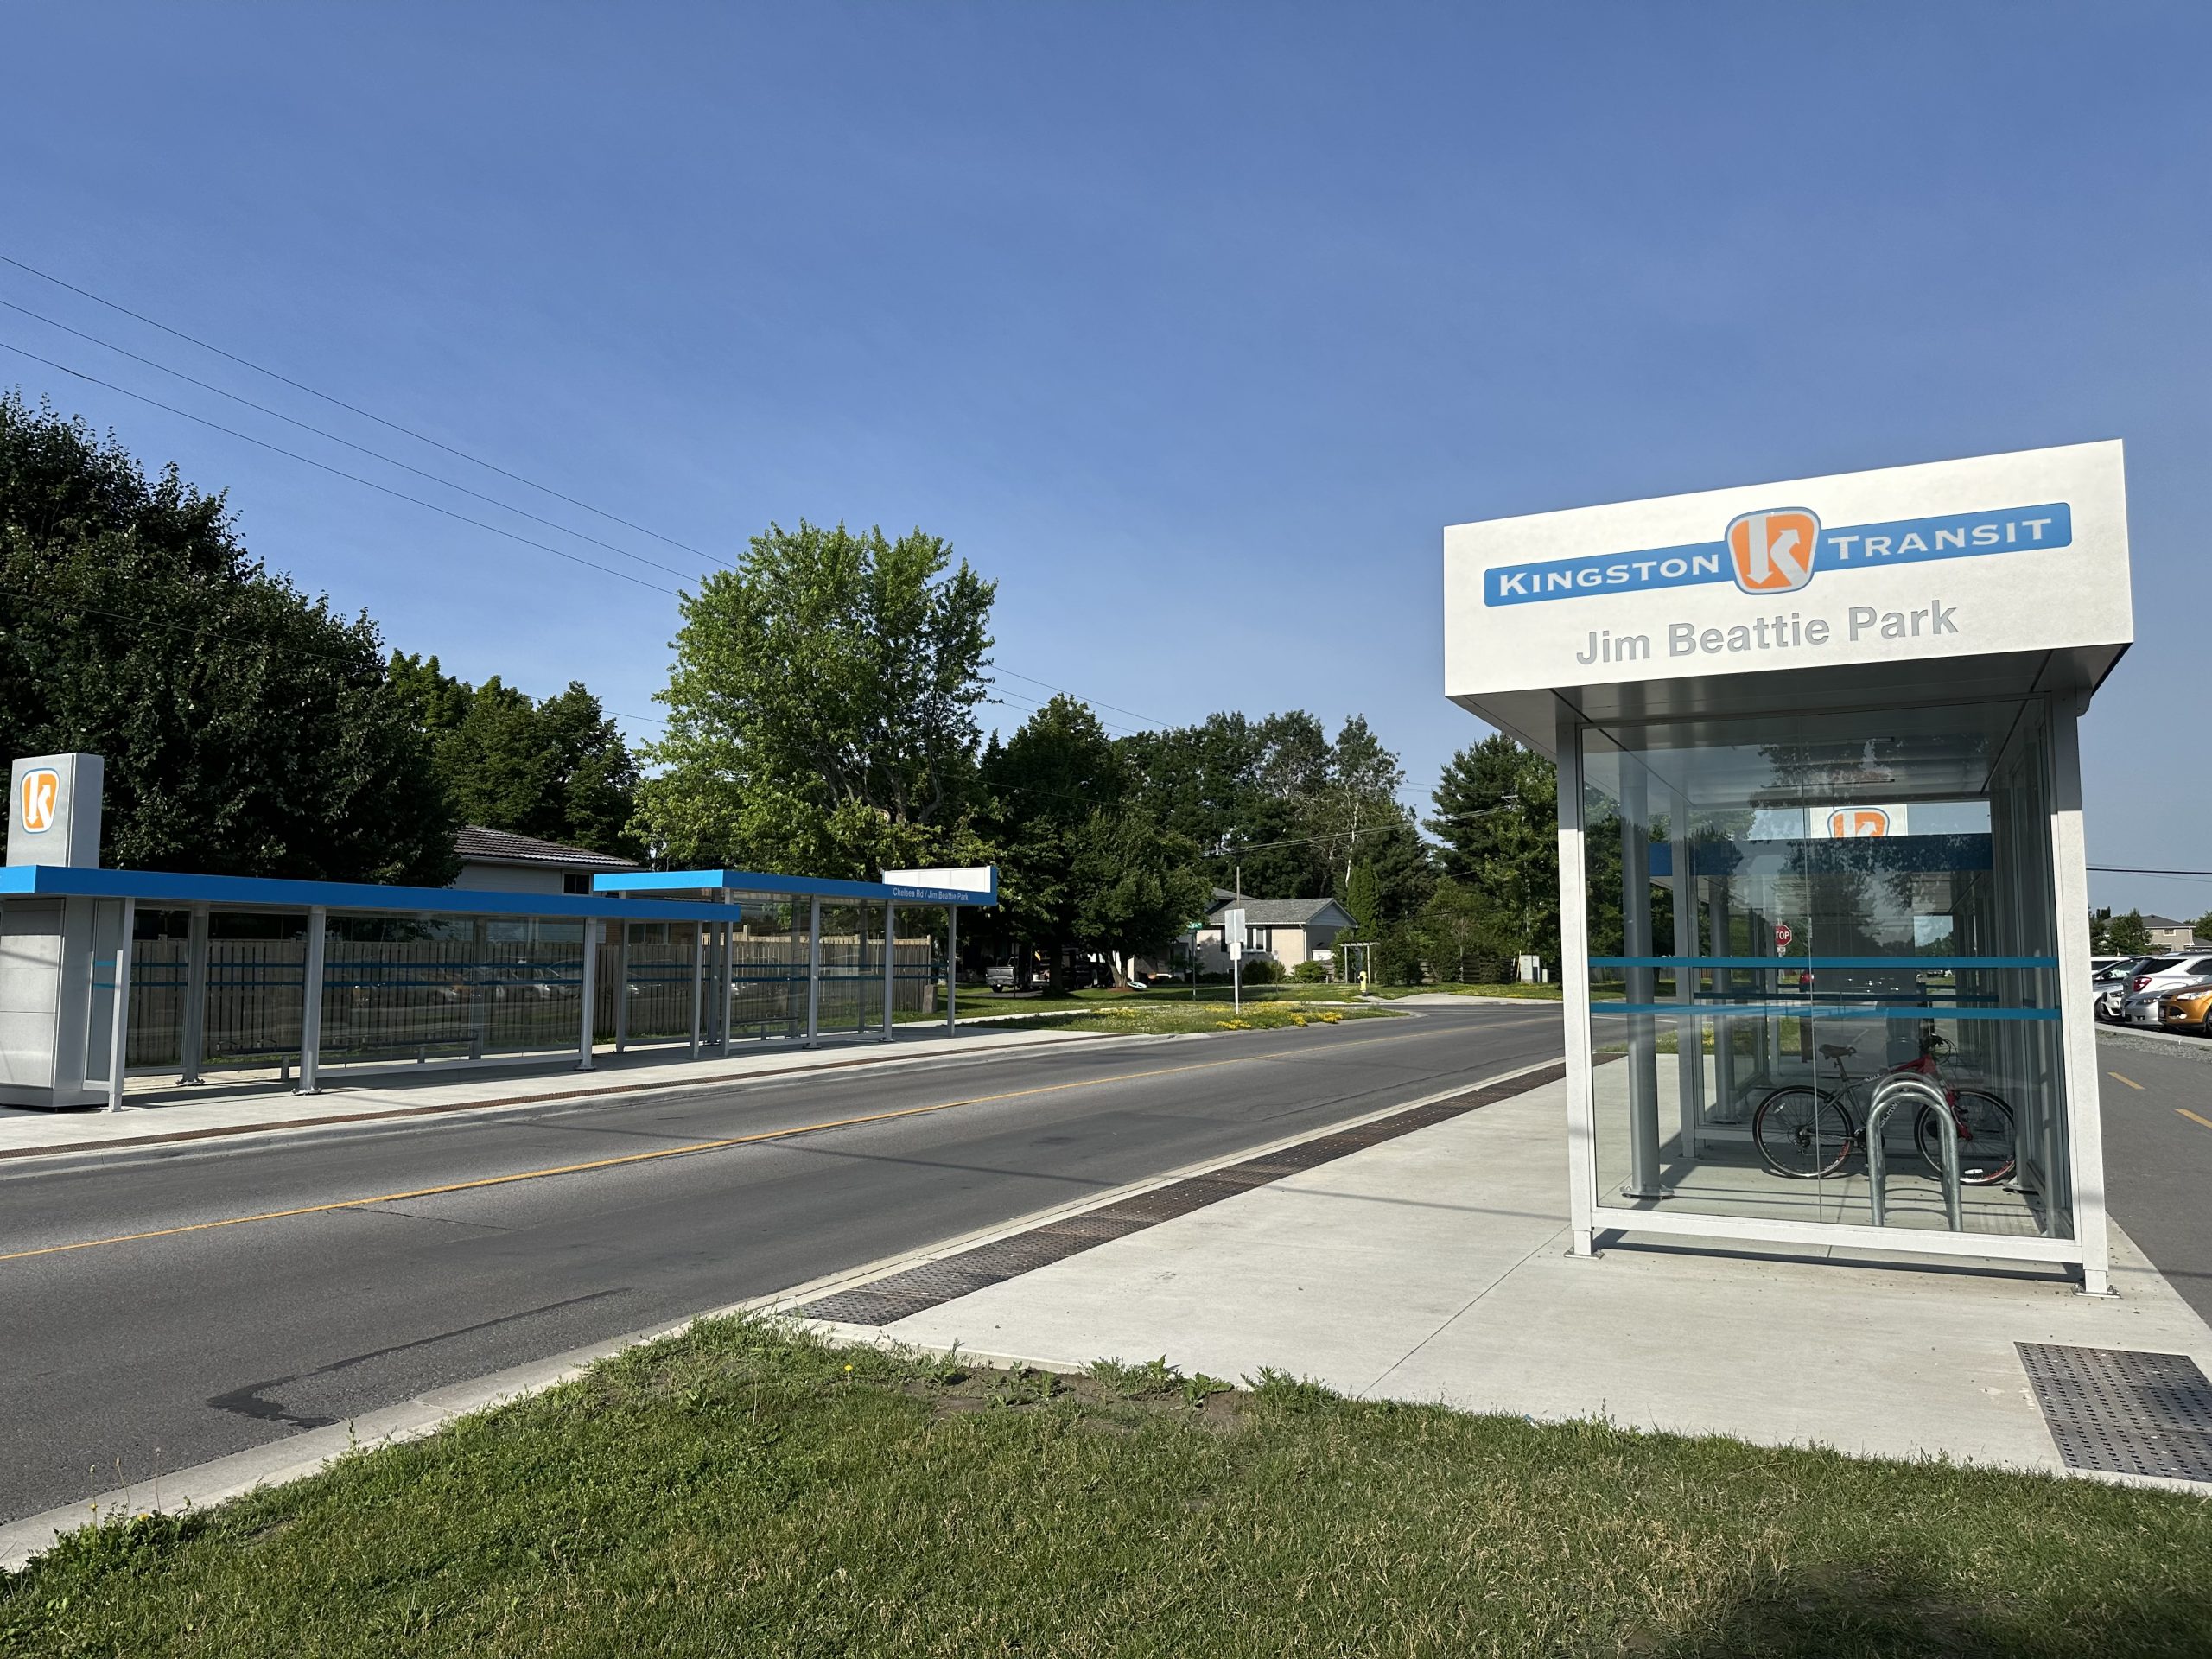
821	706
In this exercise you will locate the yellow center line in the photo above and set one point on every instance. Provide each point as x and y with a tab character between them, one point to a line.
2193	1117
649	1157
2130	1082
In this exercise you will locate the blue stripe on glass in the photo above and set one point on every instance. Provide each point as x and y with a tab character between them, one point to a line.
1794	963
1823	1010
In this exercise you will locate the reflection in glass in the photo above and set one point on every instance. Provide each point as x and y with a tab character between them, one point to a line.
1799	927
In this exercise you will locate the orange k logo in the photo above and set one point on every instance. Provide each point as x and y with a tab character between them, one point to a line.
41	793
1857	823
1772	552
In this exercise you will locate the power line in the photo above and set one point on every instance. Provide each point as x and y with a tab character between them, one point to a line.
353	408
407	431
362	449
1095	702
340	472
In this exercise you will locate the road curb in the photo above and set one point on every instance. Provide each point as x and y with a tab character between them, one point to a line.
299	1456
2155	1042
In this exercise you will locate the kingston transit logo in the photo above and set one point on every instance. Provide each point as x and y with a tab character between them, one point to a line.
41	797
1779	551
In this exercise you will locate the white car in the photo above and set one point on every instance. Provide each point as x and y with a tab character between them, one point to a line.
2155	975
2109	985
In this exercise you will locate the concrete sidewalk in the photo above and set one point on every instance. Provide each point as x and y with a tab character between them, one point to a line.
1433	1268
160	1111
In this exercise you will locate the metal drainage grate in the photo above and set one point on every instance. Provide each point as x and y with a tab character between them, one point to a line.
917	1289
2122	1412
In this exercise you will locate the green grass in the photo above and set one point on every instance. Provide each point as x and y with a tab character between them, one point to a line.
1548	993
976	1002
738	1492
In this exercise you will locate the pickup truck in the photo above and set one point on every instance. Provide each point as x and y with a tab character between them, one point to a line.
1000	977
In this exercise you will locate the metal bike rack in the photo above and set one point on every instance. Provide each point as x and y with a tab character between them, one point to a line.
1887	1094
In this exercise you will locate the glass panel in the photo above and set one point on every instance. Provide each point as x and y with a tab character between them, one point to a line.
1815	943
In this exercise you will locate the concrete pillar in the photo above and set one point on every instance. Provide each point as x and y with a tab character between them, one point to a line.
192	1041
813	971
590	998
311	1002
1643	981
119	1027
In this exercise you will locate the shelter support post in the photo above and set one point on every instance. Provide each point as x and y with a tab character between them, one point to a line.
311	1002
813	971
480	987
698	979
1574	985
1724	1034
951	964
192	1042
1642	983
722	1002
118	1049
1689	1045
622	991
890	961
2077	1025
592	935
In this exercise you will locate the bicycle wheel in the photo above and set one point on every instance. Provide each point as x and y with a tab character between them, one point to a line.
1801	1135
1987	1151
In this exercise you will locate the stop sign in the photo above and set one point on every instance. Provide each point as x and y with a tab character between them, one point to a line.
1783	936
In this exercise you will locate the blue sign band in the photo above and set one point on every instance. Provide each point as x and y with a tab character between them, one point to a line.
1852	547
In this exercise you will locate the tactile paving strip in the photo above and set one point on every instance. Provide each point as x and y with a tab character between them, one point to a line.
2122	1412
915	1289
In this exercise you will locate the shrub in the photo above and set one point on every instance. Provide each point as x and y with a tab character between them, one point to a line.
1311	973
1263	970
1398	959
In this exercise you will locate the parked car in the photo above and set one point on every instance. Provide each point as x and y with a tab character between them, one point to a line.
2110	986
2188	1009
2154	977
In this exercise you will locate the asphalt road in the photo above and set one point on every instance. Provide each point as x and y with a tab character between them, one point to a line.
168	1351
2157	1117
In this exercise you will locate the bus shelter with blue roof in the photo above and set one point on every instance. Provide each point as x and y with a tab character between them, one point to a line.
108	973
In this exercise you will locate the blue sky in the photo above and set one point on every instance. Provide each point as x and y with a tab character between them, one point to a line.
1190	325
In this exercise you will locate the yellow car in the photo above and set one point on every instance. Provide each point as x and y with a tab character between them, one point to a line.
2187	1009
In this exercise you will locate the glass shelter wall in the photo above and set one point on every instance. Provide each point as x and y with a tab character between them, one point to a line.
1824	969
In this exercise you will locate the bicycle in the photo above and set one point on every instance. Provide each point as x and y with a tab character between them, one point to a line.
1805	1134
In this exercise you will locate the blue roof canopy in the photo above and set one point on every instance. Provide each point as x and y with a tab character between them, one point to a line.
179	890
801	886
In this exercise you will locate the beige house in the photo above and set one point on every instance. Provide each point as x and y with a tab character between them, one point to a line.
2167	934
1286	931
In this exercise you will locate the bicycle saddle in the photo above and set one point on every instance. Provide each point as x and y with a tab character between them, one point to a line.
1836	1050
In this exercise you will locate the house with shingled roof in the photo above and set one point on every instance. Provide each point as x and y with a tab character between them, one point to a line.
501	862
